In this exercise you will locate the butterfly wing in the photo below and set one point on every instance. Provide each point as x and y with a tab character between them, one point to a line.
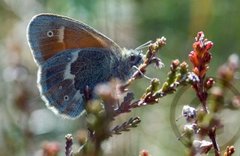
58	93
62	79
58	44
50	34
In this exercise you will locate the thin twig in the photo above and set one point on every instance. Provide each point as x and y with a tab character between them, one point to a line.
68	145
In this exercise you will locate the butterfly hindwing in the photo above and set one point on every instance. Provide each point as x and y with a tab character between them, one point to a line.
63	78
50	34
57	85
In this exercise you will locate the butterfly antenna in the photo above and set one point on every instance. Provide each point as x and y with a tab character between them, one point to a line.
143	45
179	118
182	135
142	73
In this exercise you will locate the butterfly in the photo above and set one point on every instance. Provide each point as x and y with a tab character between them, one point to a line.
72	56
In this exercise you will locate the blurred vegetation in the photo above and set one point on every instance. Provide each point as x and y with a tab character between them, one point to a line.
26	125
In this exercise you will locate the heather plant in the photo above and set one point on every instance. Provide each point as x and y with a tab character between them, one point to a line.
202	121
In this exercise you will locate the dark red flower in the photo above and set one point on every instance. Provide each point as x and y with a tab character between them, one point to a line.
200	56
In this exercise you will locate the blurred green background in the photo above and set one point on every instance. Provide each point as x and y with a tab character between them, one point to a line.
25	122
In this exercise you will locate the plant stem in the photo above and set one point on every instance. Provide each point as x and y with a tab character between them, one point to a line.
202	95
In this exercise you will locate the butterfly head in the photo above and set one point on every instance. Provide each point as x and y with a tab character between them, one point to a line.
130	58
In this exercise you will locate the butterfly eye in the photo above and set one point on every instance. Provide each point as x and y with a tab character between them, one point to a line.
50	33
132	58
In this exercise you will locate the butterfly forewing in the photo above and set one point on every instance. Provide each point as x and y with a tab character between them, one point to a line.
51	34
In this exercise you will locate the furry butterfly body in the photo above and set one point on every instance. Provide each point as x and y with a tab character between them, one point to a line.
70	56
